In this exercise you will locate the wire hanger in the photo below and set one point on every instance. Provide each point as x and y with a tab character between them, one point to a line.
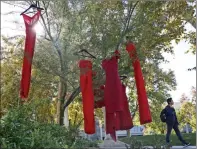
32	6
122	77
84	51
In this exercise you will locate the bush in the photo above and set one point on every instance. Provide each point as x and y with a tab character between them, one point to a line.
19	129
84	143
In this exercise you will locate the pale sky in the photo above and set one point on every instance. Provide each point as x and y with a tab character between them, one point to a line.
179	63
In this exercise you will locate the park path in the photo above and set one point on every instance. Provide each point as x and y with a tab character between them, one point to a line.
110	144
174	147
150	147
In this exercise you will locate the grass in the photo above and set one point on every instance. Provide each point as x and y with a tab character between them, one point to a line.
150	140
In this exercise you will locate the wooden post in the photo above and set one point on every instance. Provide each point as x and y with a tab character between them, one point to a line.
66	121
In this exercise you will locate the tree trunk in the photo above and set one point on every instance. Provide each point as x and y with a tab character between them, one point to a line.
60	103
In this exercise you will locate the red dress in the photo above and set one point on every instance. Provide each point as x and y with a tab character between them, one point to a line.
124	116
87	95
30	22
113	86
145	115
112	95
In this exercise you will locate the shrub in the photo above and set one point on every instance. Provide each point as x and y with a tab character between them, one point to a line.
19	129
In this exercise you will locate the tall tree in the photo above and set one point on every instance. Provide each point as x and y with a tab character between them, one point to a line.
187	112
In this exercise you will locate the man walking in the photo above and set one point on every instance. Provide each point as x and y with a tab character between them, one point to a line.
172	122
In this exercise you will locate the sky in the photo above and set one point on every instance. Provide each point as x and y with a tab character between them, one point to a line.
179	62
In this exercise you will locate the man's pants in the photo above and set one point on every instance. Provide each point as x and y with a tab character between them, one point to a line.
176	129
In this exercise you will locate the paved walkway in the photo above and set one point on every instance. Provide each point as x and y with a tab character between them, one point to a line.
150	147
110	144
174	147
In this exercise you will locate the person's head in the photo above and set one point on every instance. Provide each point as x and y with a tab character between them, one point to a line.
170	101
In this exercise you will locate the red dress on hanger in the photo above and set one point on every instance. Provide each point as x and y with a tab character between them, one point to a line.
145	115
113	86
112	95
87	95
30	23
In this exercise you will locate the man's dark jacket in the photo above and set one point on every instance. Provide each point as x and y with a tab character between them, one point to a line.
171	118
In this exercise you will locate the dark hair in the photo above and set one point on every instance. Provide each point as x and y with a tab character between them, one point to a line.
169	100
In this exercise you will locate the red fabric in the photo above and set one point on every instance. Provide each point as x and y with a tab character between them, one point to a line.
112	122
87	95
99	104
112	94
30	22
125	116
145	115
102	87
117	54
97	92
113	135
113	87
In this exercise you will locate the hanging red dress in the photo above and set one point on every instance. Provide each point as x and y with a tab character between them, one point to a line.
112	95
30	22
125	118
113	87
87	95
145	115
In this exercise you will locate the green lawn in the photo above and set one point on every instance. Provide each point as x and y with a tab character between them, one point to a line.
150	140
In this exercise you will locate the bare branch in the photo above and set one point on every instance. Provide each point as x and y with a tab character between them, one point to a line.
72	97
53	41
126	25
47	39
47	16
190	69
46	29
59	30
71	84
61	24
130	16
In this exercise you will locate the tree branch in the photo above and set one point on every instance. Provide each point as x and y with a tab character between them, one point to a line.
190	69
126	26
54	43
47	16
131	13
72	97
46	29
